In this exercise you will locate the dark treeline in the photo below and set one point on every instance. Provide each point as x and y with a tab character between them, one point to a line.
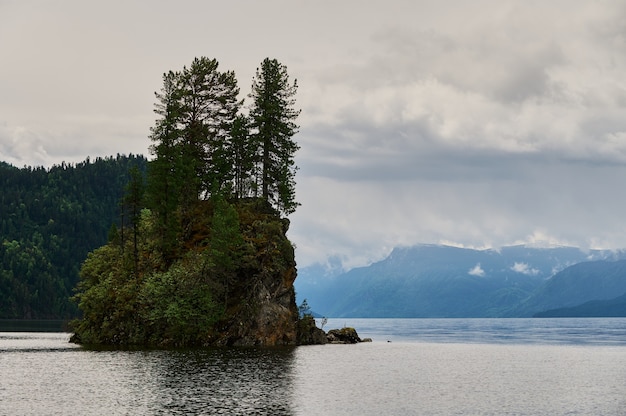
49	220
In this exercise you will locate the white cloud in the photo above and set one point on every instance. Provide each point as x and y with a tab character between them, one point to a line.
524	268
18	145
476	271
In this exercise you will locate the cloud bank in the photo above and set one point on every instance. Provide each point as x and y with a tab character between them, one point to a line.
480	123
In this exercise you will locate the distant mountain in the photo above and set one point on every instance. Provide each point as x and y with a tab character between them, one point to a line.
580	283
593	309
443	281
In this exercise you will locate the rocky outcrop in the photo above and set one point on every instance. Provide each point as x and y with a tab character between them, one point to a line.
231	284
310	334
344	335
263	309
228	283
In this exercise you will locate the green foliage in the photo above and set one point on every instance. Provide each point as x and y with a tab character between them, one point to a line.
123	305
181	304
192	138
165	173
132	205
177	306
203	145
50	219
106	297
225	244
245	157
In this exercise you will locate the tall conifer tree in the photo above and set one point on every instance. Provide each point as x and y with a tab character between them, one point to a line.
192	146
245	158
273	120
133	203
165	172
209	107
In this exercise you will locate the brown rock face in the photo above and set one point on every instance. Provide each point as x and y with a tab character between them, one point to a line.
309	333
344	335
263	310
267	319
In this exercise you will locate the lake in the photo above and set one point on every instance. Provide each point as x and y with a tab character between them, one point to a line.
413	367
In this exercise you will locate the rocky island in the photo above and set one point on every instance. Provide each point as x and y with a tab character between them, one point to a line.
200	254
233	288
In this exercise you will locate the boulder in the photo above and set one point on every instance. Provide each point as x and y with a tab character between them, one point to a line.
344	335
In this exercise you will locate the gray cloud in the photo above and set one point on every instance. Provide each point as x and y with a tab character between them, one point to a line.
526	201
475	123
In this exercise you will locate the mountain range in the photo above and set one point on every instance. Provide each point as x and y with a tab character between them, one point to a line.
443	281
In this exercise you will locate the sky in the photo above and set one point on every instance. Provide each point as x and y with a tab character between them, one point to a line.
479	123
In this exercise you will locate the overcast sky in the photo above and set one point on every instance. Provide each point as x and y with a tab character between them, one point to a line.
474	123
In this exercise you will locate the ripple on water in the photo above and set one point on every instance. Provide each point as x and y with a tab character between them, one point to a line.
479	368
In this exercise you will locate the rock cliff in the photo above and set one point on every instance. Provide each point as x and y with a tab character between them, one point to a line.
263	308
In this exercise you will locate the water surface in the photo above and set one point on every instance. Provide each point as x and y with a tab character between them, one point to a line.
430	367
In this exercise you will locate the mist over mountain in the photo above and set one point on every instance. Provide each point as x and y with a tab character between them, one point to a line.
444	281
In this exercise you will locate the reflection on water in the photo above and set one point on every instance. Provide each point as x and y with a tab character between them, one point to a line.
33	325
42	374
431	367
222	381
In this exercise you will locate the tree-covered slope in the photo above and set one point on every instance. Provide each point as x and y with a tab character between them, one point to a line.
50	219
231	284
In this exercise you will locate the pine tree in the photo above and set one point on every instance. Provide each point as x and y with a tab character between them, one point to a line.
133	204
273	120
245	158
165	172
226	242
192	146
208	110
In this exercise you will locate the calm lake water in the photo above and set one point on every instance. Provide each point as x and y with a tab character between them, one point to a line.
429	367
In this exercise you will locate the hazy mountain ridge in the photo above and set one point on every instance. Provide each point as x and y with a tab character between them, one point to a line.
577	285
444	281
615	307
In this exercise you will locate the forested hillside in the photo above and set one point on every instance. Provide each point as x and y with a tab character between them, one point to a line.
49	220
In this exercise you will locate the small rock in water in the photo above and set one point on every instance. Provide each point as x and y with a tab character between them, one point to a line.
344	335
